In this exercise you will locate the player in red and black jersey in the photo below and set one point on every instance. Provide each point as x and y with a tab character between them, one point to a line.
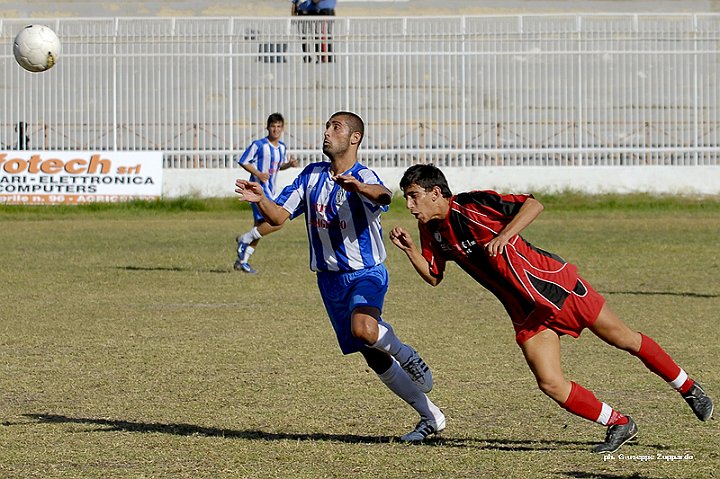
543	294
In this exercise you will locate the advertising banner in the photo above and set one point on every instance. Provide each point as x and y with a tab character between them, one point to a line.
76	177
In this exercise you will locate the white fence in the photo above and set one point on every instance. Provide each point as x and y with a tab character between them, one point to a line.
460	91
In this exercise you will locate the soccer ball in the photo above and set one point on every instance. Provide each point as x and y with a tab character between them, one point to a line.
36	48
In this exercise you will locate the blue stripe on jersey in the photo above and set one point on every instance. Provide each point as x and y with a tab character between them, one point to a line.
340	197
344	229
313	193
267	159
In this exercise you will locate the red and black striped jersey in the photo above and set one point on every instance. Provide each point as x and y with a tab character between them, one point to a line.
524	278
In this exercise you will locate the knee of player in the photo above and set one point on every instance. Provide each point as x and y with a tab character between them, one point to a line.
364	331
553	387
625	339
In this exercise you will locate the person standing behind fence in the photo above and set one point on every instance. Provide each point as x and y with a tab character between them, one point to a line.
320	31
301	9
262	159
23	139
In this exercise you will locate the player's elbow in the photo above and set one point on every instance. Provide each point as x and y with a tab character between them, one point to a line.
385	198
275	220
277	216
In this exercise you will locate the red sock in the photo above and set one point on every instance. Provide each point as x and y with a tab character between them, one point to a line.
686	386
658	361
617	418
583	403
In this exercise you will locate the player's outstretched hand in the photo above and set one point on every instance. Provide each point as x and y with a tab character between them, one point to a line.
249	191
402	239
348	183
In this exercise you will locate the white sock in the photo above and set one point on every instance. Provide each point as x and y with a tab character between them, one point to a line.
248	252
400	383
251	236
391	344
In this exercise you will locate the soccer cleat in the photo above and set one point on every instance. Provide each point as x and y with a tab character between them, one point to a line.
418	371
425	428
239	264
244	267
699	402
616	436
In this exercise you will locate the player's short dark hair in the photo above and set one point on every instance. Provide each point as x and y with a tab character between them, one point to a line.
426	177
354	122
275	118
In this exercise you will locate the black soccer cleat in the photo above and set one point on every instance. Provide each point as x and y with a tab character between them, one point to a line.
425	428
616	436
418	371
699	402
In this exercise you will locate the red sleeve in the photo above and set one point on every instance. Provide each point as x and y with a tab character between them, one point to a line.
429	251
503	205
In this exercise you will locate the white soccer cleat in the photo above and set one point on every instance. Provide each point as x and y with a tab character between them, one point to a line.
425	428
418	371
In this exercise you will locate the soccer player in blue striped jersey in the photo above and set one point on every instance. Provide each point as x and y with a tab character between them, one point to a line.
342	201
262	159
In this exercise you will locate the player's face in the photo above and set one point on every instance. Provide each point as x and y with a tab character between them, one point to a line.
336	139
421	203
275	130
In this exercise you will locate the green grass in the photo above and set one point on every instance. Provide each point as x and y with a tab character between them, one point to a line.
566	201
130	348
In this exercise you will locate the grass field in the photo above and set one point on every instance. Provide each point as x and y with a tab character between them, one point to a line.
130	348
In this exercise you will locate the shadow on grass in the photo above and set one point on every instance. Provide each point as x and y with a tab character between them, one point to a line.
174	269
108	425
601	475
112	425
517	445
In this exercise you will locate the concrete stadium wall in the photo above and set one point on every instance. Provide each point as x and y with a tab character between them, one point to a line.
691	180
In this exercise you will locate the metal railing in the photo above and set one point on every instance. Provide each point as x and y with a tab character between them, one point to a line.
504	90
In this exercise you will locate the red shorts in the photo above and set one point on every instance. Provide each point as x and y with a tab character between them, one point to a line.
578	312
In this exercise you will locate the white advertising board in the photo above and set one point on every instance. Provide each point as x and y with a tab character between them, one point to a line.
75	177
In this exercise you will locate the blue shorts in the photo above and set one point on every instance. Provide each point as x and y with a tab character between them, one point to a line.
342	292
257	216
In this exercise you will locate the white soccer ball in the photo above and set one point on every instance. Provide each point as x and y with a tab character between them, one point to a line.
36	48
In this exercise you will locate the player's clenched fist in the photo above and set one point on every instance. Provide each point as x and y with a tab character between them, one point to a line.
401	238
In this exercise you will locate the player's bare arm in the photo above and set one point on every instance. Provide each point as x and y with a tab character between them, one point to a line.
252	192
530	210
290	163
402	239
376	193
263	177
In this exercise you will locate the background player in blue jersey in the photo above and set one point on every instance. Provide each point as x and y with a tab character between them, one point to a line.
262	159
342	201
543	294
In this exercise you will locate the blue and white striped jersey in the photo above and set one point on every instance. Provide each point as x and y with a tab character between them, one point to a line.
267	159
343	228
